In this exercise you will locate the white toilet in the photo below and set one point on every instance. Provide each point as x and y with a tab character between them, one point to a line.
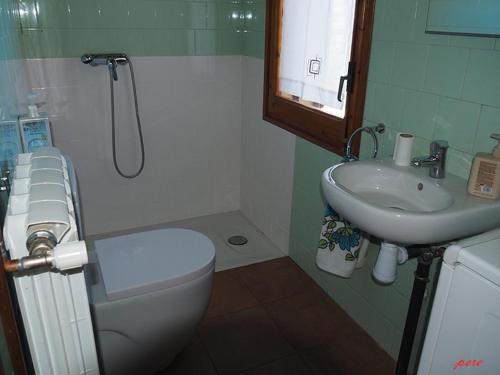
148	293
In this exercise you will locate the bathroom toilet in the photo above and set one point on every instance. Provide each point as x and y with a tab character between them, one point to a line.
148	293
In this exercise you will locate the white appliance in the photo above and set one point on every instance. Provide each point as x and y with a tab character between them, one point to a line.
463	335
53	298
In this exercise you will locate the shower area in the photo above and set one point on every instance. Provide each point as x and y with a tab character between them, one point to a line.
184	118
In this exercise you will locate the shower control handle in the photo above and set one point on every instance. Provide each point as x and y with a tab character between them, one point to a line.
104	59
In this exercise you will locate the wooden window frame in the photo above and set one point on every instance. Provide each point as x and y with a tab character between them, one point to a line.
323	129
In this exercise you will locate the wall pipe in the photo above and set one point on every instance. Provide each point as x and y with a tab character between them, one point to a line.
425	256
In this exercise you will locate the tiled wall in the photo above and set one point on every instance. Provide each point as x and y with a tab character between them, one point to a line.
266	162
213	104
10	52
63	28
191	119
434	86
254	28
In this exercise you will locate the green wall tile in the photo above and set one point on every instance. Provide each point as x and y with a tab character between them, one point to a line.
61	28
388	140
229	17
409	65
54	14
459	163
384	103
10	49
381	60
419	34
218	42
446	70
395	307
456	122
255	15
482	81
253	44
84	14
169	42
145	14
419	113
399	18
28	13
472	42
489	122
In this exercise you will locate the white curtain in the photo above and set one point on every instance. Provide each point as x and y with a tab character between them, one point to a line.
316	48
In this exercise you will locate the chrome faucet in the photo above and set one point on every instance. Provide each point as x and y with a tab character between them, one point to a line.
372	130
436	159
111	60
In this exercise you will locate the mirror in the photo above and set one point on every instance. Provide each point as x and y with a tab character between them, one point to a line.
467	17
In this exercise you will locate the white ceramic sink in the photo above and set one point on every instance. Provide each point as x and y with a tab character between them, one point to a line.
404	205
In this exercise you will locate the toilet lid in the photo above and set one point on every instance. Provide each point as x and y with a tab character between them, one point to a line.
144	262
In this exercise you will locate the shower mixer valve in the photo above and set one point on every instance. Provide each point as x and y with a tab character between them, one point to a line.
111	60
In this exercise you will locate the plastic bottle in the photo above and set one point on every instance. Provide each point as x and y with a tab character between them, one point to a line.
484	179
10	140
35	127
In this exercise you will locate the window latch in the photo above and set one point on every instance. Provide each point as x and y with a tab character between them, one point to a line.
349	78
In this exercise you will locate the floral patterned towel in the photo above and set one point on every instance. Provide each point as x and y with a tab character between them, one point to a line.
341	245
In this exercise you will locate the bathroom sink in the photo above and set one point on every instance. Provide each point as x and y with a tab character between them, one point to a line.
404	205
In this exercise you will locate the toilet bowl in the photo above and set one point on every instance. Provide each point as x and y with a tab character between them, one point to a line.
148	293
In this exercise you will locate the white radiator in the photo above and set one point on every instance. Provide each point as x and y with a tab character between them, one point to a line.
54	303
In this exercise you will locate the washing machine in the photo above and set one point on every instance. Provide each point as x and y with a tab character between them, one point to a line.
463	335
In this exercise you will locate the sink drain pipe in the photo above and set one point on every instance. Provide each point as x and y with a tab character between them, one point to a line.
425	256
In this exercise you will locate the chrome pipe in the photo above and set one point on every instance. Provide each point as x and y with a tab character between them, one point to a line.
28	263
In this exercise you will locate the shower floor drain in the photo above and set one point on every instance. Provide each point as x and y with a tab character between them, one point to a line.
237	240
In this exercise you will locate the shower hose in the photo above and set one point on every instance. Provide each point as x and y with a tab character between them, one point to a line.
113	125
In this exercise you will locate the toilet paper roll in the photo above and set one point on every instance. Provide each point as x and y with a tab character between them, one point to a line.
402	149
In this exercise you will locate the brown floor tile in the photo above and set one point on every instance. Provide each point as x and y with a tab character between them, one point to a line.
310	318
243	340
229	295
192	360
350	355
275	279
293	365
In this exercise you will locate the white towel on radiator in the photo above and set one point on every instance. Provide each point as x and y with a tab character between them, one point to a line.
342	248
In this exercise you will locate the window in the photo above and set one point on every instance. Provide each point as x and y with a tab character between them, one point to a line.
317	54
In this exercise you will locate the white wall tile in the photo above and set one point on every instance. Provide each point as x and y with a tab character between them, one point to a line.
191	115
267	162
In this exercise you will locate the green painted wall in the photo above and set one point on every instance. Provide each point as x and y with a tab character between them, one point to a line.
65	28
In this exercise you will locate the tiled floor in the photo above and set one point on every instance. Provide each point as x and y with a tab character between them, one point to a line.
270	318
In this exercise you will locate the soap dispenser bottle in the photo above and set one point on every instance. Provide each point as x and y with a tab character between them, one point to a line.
10	140
484	179
35	127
